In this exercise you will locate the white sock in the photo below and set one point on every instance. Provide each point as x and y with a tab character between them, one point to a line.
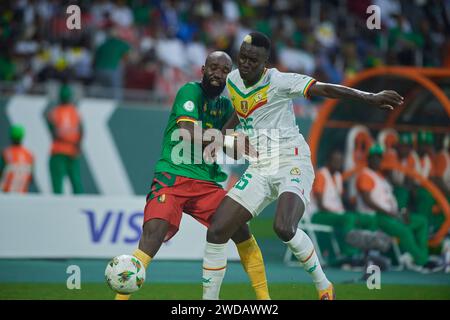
214	267
302	247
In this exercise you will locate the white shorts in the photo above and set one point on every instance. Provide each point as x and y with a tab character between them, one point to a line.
261	185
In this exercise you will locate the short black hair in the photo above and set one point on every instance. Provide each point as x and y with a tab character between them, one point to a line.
258	39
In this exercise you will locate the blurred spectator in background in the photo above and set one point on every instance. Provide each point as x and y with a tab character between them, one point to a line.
7	65
66	129
108	63
399	155
376	198
442	166
421	160
328	207
327	39
16	164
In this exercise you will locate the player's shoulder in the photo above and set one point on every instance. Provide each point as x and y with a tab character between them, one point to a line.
233	76
189	91
192	86
276	75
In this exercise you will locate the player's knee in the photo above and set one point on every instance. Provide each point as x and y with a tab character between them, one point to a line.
284	232
154	230
216	235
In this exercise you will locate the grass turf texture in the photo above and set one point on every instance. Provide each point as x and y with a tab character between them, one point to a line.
98	291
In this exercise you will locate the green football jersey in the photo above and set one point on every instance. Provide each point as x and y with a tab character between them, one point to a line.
192	104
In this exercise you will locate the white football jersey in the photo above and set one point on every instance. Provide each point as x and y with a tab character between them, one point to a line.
266	113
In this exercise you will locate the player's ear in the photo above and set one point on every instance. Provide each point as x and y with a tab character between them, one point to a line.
203	69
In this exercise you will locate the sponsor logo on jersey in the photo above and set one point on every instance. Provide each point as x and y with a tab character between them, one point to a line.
295	171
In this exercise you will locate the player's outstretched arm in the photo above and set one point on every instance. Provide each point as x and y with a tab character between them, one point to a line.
386	99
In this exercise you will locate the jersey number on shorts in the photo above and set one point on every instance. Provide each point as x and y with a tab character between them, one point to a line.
243	182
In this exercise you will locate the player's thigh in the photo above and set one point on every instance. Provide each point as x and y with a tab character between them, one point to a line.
230	216
166	207
252	192
203	205
295	175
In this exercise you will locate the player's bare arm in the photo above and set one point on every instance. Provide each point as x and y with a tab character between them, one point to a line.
195	138
238	139
386	99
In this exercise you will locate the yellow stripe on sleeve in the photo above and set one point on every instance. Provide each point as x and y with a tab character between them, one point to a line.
305	91
188	119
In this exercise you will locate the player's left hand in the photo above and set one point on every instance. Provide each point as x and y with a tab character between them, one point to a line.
386	99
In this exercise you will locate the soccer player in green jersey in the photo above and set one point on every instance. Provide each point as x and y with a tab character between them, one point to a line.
188	184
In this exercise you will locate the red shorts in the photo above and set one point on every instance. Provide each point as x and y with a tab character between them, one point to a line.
172	195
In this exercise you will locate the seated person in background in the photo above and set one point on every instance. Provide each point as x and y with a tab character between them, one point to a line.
376	198
16	164
441	164
399	155
327	206
421	162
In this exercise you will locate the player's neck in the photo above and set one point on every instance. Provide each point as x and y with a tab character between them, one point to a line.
207	91
254	82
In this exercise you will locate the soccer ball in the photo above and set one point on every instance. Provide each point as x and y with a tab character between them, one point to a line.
125	274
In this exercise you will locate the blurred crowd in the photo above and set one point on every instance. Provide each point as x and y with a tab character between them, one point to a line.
158	44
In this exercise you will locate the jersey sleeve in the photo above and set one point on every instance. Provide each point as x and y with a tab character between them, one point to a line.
410	162
433	168
319	183
390	158
439	165
293	85
187	103
365	183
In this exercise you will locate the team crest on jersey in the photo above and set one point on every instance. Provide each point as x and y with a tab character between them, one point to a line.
246	103
295	171
244	106
162	198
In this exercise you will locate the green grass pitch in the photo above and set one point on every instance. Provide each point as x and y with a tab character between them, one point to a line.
99	291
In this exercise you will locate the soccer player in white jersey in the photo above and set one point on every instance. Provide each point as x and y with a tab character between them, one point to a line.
261	98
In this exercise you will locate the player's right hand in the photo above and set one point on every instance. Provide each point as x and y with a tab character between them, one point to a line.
386	99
